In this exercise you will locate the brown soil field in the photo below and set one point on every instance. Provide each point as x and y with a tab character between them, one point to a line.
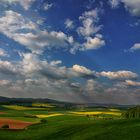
3	113
14	124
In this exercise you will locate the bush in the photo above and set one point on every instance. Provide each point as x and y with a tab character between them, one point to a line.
43	121
5	126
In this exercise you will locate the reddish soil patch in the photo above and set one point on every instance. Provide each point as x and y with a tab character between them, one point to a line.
3	113
14	124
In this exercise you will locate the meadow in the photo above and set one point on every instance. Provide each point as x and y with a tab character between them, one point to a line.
53	123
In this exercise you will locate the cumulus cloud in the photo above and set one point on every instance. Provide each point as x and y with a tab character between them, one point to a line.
133	6
13	24
4	82
54	63
135	47
42	78
132	83
43	39
91	43
114	3
47	6
91	85
89	30
13	21
27	33
3	52
89	21
69	24
94	43
118	74
7	67
81	69
31	65
26	4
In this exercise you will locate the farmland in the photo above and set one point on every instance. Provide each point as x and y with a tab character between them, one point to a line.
14	124
50	122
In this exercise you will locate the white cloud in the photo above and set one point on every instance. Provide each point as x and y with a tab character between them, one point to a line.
7	67
69	24
54	63
93	43
81	69
39	78
114	3
133	6
4	82
89	23
13	21
43	39
135	47
26	4
132	83
91	85
89	30
118	74
47	6
3	52
32	65
12	25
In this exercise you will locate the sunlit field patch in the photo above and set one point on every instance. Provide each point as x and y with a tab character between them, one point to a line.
50	115
16	107
98	113
112	109
42	105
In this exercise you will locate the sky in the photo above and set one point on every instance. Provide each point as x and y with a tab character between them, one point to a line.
71	50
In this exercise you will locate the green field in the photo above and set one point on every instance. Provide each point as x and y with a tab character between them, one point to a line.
85	124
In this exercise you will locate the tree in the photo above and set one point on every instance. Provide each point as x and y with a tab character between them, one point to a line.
132	113
5	126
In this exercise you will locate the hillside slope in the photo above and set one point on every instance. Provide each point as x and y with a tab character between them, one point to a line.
78	128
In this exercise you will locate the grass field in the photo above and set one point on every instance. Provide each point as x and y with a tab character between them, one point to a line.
16	107
71	125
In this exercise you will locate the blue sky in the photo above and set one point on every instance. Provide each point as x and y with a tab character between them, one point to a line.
77	51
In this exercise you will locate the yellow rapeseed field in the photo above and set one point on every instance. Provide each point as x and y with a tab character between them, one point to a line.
16	107
50	115
97	113
42	105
